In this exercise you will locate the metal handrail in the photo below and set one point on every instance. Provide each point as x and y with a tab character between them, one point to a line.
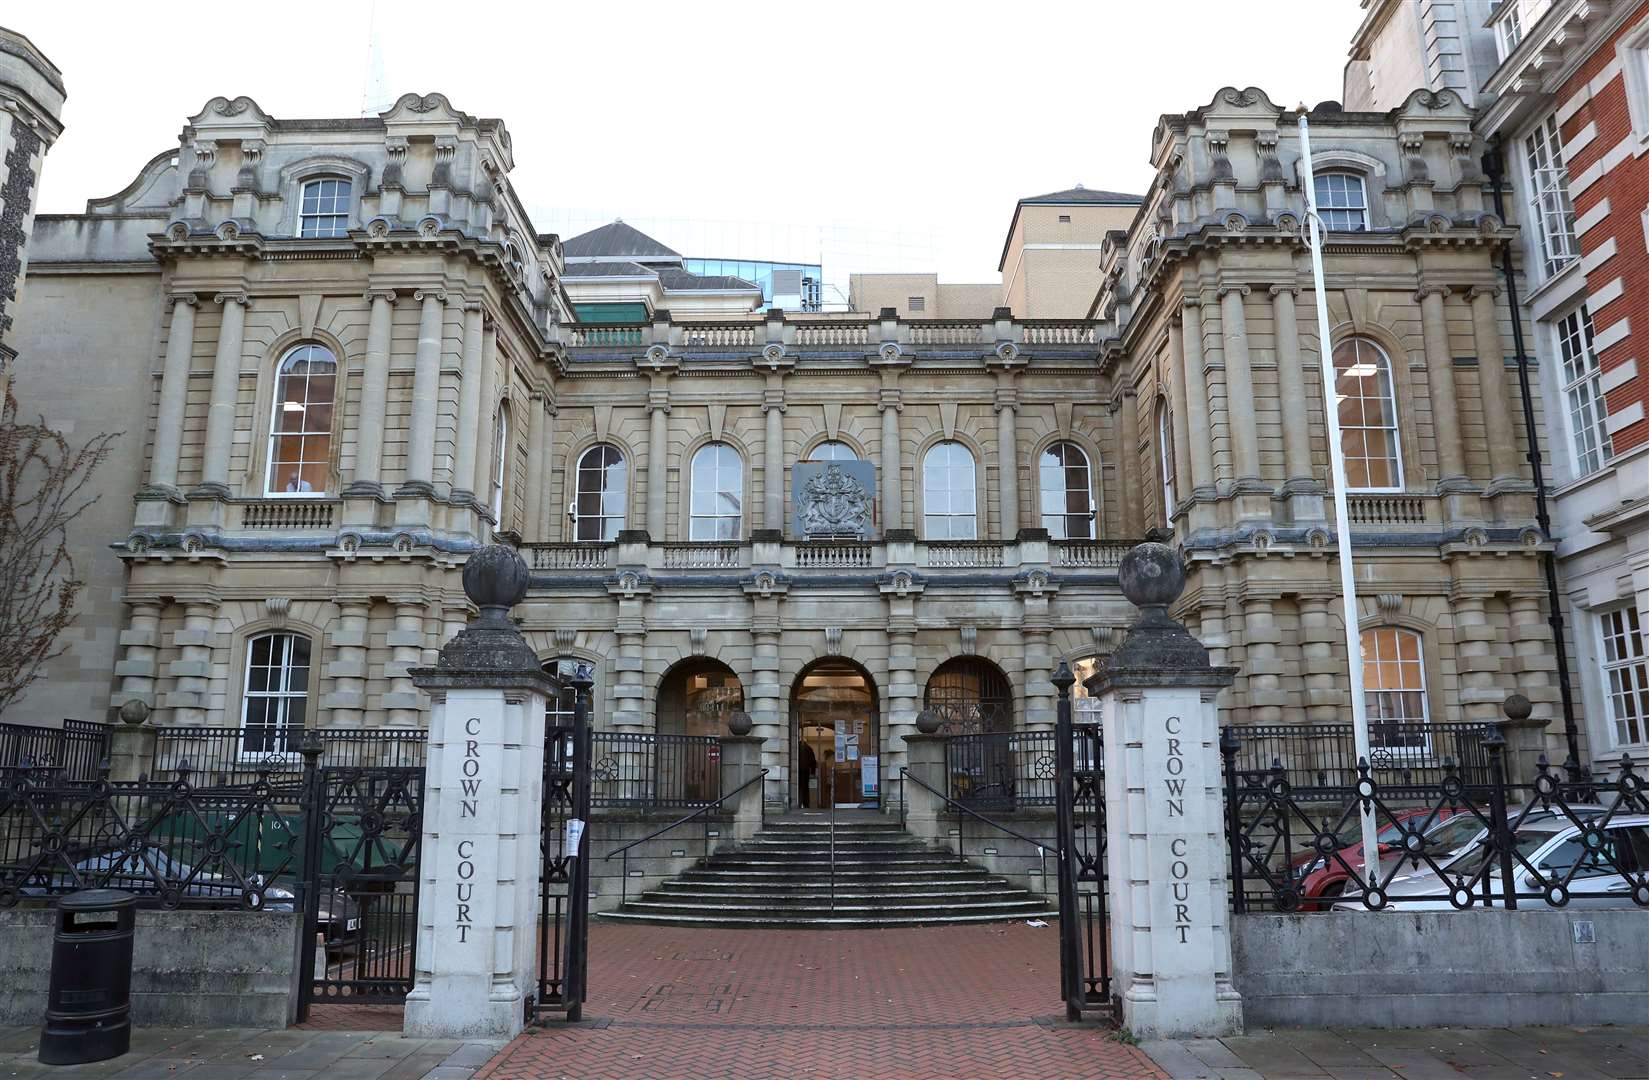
950	803
682	821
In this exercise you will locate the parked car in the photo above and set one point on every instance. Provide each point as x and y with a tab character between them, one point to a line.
1325	876
1551	843
143	873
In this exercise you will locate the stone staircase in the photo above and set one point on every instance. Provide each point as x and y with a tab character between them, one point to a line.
883	877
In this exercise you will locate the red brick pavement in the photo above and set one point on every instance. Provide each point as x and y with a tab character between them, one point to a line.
952	1002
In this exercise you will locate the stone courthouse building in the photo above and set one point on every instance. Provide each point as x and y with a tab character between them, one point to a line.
343	358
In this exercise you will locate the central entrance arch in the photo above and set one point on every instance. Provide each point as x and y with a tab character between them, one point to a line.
835	740
696	700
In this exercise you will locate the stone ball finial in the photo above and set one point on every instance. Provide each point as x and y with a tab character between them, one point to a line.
134	712
495	580
1151	575
927	722
1517	707
740	723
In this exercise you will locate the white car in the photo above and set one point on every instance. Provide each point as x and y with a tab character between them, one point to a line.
1615	875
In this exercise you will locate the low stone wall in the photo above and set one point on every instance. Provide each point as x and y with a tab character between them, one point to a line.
1476	968
653	862
189	968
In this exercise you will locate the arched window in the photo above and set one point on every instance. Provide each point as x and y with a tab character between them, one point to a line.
1067	493
1368	416
500	463
1341	201
970	696
1165	460
324	207
717	510
948	493
300	432
1394	689
832	450
277	691
598	508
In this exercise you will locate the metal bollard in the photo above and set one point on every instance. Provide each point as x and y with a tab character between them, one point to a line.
89	1005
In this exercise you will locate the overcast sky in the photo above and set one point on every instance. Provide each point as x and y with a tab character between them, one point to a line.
892	135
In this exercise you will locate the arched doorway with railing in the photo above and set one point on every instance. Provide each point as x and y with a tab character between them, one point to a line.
972	701
696	700
835	746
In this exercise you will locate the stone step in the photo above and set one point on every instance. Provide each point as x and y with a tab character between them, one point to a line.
823	908
913	893
855	921
805	886
878	877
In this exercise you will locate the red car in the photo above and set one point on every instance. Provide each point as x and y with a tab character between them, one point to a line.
1325	876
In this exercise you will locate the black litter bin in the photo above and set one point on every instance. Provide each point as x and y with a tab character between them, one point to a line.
89	1006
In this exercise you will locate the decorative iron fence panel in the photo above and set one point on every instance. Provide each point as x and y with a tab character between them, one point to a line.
555	868
1324	756
76	749
238	755
1452	843
641	770
1004	769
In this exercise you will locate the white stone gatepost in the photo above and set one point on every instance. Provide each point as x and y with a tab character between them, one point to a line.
1169	909
476	967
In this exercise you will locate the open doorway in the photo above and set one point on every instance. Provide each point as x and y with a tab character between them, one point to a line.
696	699
836	743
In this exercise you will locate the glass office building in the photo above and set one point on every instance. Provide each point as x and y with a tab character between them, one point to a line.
793	286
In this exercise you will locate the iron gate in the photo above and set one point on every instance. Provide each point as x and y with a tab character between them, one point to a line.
1084	930
564	872
361	880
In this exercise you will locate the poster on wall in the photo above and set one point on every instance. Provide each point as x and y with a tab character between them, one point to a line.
867	773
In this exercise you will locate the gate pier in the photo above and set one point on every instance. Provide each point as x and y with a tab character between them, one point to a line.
478	901
1169	914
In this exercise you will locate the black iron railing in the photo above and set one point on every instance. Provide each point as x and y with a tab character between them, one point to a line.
640	770
76	749
1402	753
1463	840
239	755
702	815
1001	770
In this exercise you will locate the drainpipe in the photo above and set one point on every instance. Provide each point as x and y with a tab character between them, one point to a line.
1493	168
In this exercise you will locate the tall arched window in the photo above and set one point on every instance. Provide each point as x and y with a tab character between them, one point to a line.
1067	493
948	494
969	696
717	509
1394	688
1368	416
500	464
598	508
277	691
324	207
300	432
832	450
1165	460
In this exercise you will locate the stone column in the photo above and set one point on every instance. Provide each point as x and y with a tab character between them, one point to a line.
1128	475
1533	665
132	744
741	759
348	673
1036	595
658	458
192	670
487	415
1445	413
406	645
1300	480
902	592
1239	388
1491	377
369	437
477	966
892	470
1181	402
426	392
1264	667
467	481
924	812
138	667
628	703
220	415
1007	456
1170	934
174	396
541	438
773	454
1323	669
1196	402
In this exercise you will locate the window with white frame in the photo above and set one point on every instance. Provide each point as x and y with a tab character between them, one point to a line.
500	464
717	510
1165	460
1067	492
1394	688
1368	416
1342	201
948	494
1632	50
832	450
558	710
300	432
276	695
1550	209
1508	28
1626	675
1583	392
324	207
602	494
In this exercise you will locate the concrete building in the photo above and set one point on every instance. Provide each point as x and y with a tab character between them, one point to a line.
31	109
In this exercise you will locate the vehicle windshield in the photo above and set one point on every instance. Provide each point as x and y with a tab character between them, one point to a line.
1455	832
1529	841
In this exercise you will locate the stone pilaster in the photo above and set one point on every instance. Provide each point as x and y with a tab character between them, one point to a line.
406	651
220	415
1007	456
488	413
1504	465
139	665
1239	389
467	481
1475	660
369	438
1180	400
540	440
1266	697
1192	366
891	404
1126	426
347	673
426	392
773	454
1323	671
174	396
192	671
1445	411
1533	666
658	457
902	592
1300	483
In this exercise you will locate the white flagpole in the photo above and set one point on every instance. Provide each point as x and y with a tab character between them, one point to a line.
1342	518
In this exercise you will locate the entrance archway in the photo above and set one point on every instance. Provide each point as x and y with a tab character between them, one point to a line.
835	740
970	696
696	699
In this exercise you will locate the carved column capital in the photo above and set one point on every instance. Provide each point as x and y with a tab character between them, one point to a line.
379	294
1278	290
1491	291
1241	290
187	298
439	295
1426	290
230	298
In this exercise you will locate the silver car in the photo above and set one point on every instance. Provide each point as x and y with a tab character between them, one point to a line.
1616	874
